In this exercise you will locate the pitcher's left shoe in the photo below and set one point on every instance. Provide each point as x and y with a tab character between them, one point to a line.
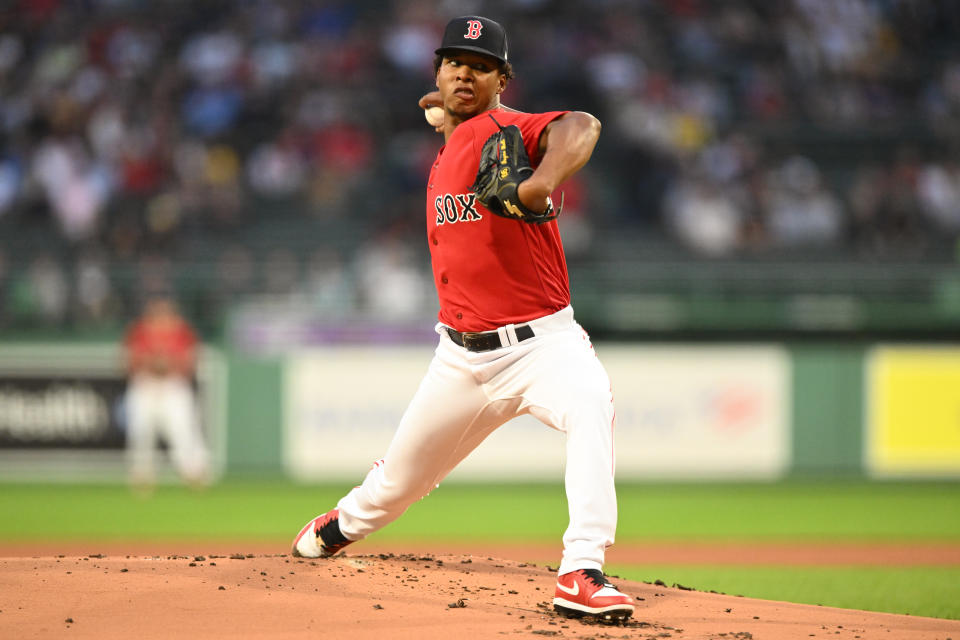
321	537
588	592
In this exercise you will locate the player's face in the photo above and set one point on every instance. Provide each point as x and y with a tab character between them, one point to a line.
469	84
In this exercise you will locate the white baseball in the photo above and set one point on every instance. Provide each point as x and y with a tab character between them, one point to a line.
434	116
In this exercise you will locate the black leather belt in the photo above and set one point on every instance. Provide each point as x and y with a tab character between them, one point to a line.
486	340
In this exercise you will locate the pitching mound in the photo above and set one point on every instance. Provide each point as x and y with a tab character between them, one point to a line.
356	597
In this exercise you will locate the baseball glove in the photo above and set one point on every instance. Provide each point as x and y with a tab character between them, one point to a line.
504	164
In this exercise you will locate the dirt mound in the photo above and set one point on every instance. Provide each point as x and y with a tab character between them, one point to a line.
247	595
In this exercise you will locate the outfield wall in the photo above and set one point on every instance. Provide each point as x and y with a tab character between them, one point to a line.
746	411
684	411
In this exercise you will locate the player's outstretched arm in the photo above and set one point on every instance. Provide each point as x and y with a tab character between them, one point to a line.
432	99
565	146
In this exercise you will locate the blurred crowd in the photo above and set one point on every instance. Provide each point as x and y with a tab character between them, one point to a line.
225	147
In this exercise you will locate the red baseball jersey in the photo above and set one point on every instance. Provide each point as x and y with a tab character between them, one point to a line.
489	270
163	347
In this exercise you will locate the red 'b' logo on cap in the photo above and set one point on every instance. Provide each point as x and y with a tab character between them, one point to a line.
473	29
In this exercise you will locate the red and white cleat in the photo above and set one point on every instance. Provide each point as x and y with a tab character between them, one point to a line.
587	592
320	538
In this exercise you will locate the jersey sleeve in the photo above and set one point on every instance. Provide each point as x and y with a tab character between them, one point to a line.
531	128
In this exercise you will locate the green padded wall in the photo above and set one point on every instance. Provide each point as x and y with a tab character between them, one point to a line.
827	408
255	411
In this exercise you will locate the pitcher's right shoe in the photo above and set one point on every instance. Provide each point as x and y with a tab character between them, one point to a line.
588	592
321	537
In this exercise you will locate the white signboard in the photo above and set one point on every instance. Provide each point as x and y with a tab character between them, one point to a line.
688	412
682	412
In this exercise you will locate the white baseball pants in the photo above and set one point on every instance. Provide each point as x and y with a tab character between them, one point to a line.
164	407
554	376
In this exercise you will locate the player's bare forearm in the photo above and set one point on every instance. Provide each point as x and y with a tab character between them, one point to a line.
433	99
567	144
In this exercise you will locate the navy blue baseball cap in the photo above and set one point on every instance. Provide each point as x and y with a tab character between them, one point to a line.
476	34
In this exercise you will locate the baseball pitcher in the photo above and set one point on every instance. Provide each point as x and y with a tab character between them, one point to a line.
508	341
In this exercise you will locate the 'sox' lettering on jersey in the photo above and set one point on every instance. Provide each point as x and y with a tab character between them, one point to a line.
460	207
473	29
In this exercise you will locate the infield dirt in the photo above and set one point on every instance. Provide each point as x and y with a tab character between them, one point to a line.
379	595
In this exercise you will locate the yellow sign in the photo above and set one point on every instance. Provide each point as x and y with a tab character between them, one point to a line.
913	405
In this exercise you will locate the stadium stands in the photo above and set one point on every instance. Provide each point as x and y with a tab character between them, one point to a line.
782	166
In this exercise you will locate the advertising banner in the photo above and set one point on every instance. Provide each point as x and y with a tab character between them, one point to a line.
913	411
682	412
701	411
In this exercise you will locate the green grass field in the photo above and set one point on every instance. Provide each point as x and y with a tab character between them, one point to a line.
810	511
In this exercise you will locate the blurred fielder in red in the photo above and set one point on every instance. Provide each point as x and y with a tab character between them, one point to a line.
161	359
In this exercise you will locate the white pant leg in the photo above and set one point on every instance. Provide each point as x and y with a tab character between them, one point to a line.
570	391
141	429
181	428
448	416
